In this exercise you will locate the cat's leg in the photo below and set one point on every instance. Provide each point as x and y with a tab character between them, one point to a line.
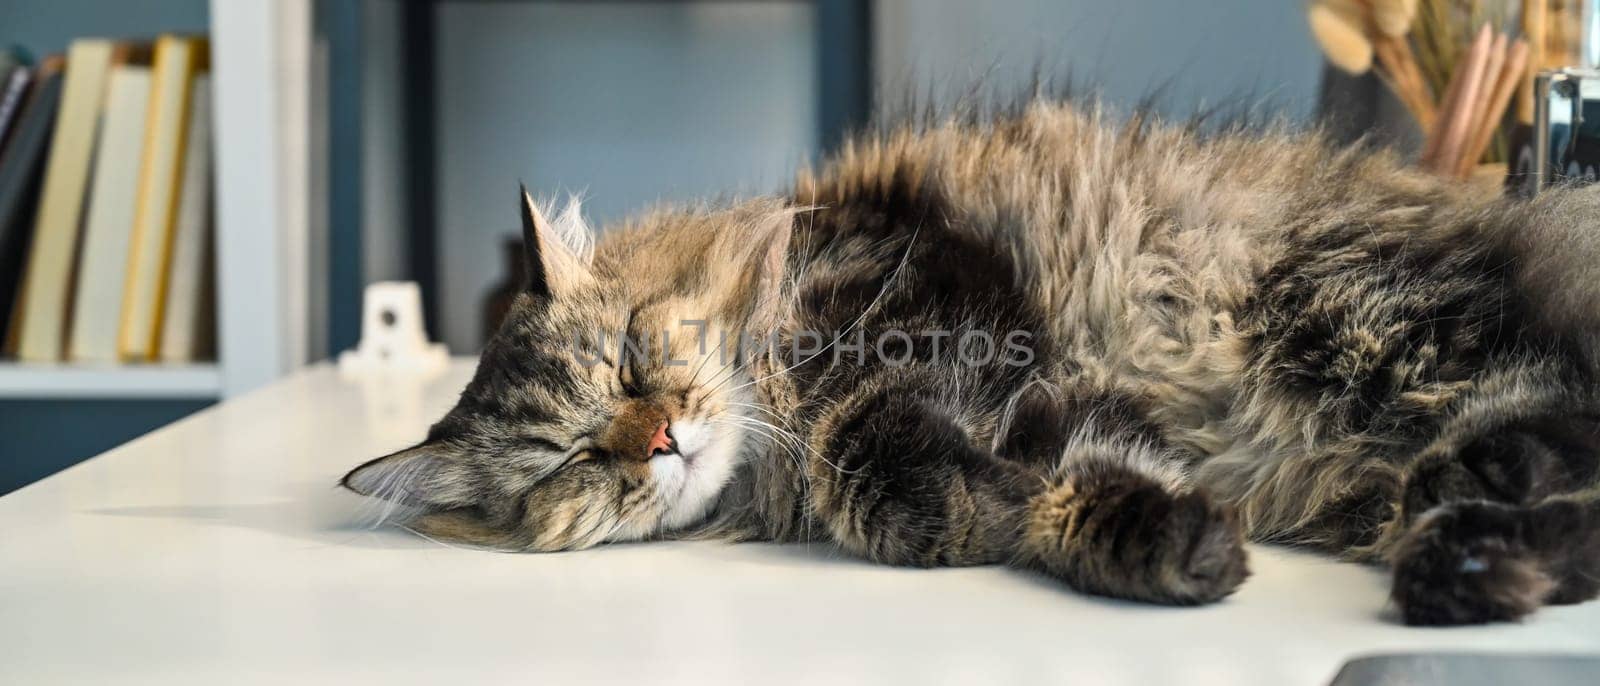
1516	434
1498	514
897	479
1399	401
1528	430
1462	519
1119	517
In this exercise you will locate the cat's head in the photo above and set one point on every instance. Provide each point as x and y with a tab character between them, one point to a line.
583	423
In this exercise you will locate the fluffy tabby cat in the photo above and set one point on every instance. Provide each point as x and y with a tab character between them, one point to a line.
1230	336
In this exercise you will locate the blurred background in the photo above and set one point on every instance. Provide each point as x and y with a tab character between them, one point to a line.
356	141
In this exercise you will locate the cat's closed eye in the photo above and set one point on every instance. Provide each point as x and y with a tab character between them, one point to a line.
582	455
629	381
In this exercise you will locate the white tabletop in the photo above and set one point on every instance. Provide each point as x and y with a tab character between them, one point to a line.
218	549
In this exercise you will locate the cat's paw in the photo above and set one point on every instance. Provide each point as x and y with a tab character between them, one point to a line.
1566	531
1496	468
1122	534
1469	563
1520	464
1207	560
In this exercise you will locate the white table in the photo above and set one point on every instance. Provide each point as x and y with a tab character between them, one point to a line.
218	549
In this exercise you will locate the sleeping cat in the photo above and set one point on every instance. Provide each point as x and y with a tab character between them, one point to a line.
1105	353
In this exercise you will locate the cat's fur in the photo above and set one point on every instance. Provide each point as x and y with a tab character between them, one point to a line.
1237	335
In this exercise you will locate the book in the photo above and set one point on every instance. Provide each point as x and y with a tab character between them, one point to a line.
16	75
47	282
188	319
150	251
108	226
14	84
20	164
10	60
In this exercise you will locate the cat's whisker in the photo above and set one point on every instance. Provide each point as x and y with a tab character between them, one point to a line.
775	437
798	442
730	375
744	418
754	406
767	430
727	372
869	309
696	376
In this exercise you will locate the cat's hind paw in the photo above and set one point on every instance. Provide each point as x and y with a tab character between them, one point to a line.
1469	563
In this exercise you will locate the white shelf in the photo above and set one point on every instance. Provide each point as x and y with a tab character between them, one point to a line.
45	381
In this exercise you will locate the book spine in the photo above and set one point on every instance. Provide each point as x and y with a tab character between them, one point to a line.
173	198
16	87
20	167
52	258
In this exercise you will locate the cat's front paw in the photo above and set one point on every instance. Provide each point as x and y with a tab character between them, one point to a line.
1469	563
1119	533
1208	562
1520	464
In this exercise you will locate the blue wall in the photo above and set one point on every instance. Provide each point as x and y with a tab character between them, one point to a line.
629	103
1197	53
45	26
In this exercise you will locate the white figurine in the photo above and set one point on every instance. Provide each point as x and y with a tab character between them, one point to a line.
392	338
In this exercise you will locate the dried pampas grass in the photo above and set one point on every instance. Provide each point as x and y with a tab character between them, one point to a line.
1394	17
1338	26
1354	32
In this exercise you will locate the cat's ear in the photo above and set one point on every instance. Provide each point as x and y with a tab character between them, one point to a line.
762	262
556	255
428	476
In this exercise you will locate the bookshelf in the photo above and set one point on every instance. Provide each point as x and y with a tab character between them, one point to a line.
268	252
261	65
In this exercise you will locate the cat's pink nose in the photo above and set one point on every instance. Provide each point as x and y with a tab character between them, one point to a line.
661	443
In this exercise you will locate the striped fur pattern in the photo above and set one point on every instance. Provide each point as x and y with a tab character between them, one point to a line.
1230	336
